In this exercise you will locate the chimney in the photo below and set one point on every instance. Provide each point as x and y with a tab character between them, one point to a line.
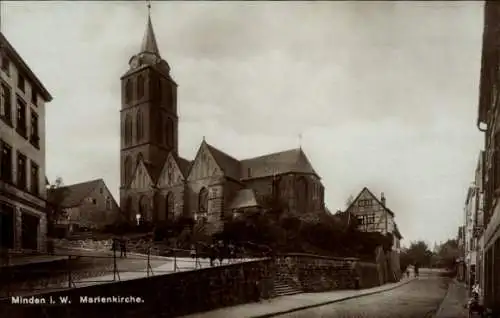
382	198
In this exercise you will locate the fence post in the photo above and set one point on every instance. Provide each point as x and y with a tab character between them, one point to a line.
69	271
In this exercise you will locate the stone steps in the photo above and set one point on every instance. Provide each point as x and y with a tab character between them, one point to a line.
282	289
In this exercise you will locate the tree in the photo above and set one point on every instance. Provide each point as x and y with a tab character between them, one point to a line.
447	254
55	209
418	252
349	201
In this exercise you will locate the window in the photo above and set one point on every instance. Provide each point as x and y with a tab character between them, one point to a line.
5	64
34	178
21	171
6	162
34	96
128	91
5	104
366	202
169	206
140	87
21	82
203	201
109	206
170	132
128	130
370	219
302	195
101	191
361	220
34	138
140	126
21	118
127	169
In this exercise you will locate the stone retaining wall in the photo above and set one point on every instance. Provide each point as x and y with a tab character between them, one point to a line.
312	273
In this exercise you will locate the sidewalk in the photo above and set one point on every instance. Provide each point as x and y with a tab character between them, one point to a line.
453	303
291	303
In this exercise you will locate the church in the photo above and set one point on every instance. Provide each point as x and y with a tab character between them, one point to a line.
157	184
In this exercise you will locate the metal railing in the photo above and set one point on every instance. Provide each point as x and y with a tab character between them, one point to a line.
72	268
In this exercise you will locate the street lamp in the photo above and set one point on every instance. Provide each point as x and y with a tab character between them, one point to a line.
138	218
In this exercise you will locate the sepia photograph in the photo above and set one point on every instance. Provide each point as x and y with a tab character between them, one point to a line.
232	159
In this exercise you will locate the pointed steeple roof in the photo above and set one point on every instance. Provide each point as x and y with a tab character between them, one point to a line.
149	44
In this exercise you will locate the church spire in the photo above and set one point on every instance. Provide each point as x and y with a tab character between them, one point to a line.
149	41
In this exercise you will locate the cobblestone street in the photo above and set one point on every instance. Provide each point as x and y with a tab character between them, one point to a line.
418	299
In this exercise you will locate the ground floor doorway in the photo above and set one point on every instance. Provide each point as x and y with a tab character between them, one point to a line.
29	227
6	225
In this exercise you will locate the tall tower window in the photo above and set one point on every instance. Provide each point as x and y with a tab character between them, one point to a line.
140	125
302	195
140	87
128	129
170	132
203	201
127	169
128	91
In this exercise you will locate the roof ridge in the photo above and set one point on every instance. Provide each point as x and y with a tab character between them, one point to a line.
271	154
221	151
80	183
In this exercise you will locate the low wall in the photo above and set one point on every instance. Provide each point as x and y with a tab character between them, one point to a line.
164	296
312	273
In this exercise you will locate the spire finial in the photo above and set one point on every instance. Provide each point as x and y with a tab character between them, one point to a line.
300	140
149	7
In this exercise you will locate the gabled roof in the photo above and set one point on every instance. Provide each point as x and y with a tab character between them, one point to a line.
74	194
293	160
184	165
374	197
229	165
244	198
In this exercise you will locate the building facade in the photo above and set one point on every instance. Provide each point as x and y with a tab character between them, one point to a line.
87	205
489	123
158	184
373	215
22	153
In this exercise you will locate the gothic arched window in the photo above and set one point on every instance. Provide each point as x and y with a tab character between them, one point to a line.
128	91
301	195
169	132
127	169
139	125
128	129
144	208
169	206
203	201
140	87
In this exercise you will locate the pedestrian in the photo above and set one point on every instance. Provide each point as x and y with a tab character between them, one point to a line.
407	273
257	290
212	254
193	251
221	252
231	252
415	269
114	245
123	248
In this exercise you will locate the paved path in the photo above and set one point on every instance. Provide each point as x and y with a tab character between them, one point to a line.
453	304
279	305
418	299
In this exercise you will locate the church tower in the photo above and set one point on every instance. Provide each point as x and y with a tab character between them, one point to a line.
149	121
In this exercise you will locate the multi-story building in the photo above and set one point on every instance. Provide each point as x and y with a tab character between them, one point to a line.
470	241
22	153
489	123
85	205
460	261
373	215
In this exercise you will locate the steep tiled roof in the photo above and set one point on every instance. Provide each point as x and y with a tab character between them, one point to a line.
374	197
293	160
184	165
244	198
229	165
74	194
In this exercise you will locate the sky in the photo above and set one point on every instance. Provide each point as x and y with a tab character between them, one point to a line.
384	94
